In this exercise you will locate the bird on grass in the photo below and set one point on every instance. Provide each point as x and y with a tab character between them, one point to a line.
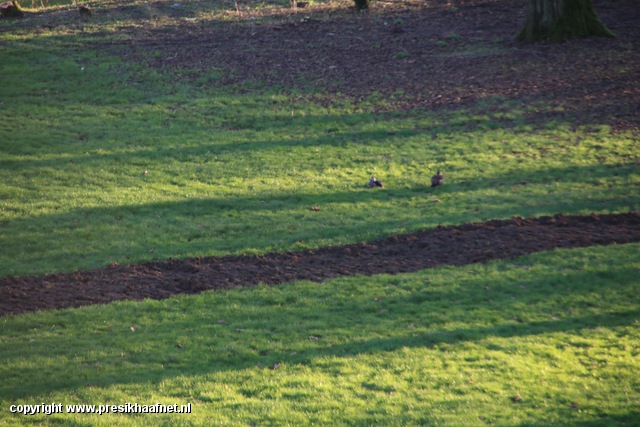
373	182
437	179
85	11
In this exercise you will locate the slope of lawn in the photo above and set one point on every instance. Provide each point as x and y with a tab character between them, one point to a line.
548	339
105	161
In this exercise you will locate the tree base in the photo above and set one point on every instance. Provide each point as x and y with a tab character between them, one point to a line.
361	4
560	20
11	9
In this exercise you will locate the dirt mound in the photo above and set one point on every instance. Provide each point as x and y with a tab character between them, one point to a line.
454	245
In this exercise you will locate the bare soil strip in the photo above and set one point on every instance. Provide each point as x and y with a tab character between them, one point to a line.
451	245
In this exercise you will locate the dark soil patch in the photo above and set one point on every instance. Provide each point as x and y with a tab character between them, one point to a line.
454	245
414	55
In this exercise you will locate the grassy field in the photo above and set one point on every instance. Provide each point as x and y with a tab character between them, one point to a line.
103	160
548	339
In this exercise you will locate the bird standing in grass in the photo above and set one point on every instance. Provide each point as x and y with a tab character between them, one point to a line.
373	182
85	11
437	179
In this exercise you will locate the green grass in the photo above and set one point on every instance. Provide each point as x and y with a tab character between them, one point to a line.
104	161
450	346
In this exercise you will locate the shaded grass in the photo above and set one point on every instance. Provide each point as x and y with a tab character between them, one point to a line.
450	346
104	161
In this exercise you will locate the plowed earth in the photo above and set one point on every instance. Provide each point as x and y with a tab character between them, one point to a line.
455	245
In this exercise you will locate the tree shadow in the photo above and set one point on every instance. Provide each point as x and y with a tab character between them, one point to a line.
268	326
608	420
212	220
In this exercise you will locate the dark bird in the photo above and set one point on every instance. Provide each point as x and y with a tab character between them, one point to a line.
437	179
373	182
85	11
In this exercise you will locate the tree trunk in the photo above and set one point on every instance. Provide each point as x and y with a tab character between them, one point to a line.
11	9
560	20
361	4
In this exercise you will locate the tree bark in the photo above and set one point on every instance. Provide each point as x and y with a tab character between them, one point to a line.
560	20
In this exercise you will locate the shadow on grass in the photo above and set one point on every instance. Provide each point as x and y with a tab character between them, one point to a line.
304	323
276	221
607	420
187	139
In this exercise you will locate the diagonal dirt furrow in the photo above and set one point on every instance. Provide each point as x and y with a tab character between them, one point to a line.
451	245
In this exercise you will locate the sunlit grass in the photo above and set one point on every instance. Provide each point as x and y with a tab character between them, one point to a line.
547	339
103	160
108	162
